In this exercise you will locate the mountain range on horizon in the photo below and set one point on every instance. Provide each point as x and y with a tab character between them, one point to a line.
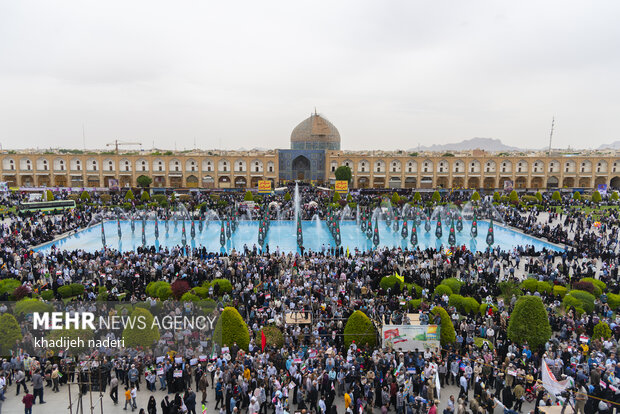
491	145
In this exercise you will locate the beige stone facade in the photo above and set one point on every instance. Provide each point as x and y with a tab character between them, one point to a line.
224	169
243	169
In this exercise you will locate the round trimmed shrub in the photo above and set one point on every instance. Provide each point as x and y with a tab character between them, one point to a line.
202	292
414	304
570	301
483	308
388	282
47	294
20	292
65	291
153	287
470	305
453	283
164	292
529	322
10	333
9	285
189	297
359	328
456	300
441	289
140	335
231	328
273	336
224	284
179	287
544	287
586	299
601	330
478	342
448	335
613	300
559	290
28	306
76	289
72	334
530	285
600	284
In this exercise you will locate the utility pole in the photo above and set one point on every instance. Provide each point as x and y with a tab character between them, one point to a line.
551	135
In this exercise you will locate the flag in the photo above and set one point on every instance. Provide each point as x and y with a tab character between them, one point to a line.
552	385
263	340
348	254
204	409
399	277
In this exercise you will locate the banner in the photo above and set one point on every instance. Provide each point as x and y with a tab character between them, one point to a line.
410	337
264	187
341	186
552	385
508	186
602	189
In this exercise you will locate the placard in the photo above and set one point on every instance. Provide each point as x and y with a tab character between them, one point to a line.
178	360
341	186
177	373
264	187
193	361
225	350
160	359
160	371
202	358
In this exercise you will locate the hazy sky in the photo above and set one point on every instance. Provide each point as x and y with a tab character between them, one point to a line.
229	74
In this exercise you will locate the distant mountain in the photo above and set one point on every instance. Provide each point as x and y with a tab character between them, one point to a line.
487	144
614	145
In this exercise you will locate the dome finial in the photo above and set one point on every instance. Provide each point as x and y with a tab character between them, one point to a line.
315	111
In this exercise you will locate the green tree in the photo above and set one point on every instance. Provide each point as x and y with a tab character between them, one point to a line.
475	196
513	197
556	196
601	330
10	333
529	322
273	336
417	197
395	198
336	197
448	335
72	334
614	196
359	328
596	197
143	333
231	328
343	173
49	196
287	196
497	196
436	197
577	196
144	181
27	306
248	196
145	197
85	196
129	195
538	196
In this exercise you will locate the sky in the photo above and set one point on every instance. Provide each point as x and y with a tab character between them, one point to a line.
390	74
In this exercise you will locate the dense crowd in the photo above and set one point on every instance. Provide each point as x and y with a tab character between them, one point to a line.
316	365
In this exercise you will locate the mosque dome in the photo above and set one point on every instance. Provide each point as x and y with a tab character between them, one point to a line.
315	133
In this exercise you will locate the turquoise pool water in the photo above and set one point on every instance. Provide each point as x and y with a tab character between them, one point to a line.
282	234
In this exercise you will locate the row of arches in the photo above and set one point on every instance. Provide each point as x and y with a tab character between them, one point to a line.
139	165
486	182
459	166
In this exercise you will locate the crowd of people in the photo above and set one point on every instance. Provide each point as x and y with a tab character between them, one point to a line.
316	366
